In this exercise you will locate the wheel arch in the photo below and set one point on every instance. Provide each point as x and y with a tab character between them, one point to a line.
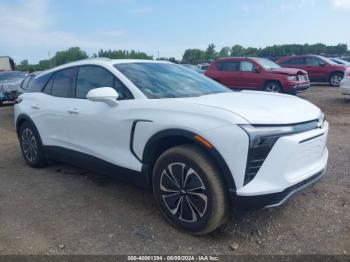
166	139
267	81
335	72
21	119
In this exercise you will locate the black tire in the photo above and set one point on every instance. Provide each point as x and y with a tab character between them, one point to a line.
199	203
335	78
274	87
31	146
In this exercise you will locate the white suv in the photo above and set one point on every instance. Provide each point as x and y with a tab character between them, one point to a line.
201	147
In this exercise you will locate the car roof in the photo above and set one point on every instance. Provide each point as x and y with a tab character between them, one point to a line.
310	55
237	58
103	62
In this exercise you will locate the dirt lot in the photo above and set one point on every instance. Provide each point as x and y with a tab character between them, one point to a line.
63	210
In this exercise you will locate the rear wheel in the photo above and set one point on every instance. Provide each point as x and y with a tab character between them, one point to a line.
31	146
189	190
274	87
335	78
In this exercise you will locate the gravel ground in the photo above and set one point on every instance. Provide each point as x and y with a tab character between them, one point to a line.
64	210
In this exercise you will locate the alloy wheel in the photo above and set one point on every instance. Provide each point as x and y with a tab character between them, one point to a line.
273	88
335	80
29	145
183	192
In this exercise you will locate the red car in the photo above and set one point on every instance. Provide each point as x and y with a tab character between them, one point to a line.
319	68
257	74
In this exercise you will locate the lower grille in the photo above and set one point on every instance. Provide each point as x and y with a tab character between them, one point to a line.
256	158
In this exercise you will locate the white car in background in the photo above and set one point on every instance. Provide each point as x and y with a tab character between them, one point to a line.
345	83
203	67
202	148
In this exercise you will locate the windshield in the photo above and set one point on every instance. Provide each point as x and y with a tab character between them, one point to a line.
329	61
340	61
7	76
267	64
163	80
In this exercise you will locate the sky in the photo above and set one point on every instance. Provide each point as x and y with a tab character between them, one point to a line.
36	29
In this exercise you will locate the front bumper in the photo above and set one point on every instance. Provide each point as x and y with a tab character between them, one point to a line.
274	199
292	164
300	87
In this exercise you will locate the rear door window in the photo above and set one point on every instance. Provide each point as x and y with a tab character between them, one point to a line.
297	61
63	83
228	66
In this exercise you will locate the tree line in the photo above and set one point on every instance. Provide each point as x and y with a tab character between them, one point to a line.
191	56
196	56
75	53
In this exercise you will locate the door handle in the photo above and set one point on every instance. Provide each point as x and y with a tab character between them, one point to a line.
36	106
73	111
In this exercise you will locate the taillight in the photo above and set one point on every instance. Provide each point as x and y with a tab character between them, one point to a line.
18	100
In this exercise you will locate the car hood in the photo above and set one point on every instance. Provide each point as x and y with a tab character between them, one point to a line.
262	107
288	71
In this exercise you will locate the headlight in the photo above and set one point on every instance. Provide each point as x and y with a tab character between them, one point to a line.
263	134
261	141
292	78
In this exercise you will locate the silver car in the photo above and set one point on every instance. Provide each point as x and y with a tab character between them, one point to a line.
345	83
9	82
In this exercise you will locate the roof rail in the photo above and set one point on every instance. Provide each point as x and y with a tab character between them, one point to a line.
88	59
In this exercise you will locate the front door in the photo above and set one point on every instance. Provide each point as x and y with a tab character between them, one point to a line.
248	77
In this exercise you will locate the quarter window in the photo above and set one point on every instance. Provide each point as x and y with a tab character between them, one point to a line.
63	83
38	83
25	82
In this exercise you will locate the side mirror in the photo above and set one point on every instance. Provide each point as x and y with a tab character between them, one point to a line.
103	94
322	64
258	69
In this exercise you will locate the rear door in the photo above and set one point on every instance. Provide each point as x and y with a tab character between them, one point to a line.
95	128
57	96
228	73
295	62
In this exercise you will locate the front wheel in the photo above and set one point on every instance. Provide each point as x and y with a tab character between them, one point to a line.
274	87
189	190
335	78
